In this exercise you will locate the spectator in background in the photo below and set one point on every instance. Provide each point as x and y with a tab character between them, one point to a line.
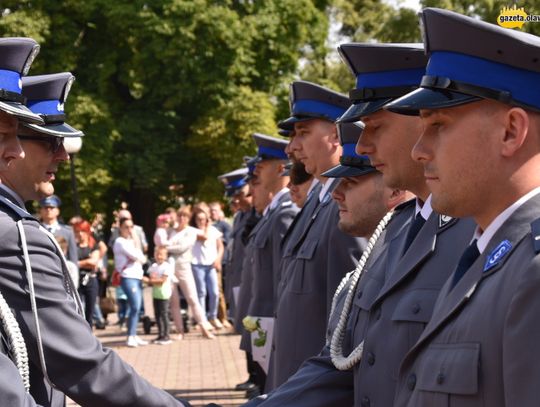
161	273
161	235
207	254
172	216
218	217
138	235
180	248
49	212
128	260
88	254
101	268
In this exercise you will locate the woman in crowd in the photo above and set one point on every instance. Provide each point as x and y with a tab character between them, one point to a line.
207	254
89	257
180	246
128	261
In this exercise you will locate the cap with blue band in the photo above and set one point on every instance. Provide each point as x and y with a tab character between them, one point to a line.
478	61
350	163
383	73
16	57
270	148
309	101
234	180
46	95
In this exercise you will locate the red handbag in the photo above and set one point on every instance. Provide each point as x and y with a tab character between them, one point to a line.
116	278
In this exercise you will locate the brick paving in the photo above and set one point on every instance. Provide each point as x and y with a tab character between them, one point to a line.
200	370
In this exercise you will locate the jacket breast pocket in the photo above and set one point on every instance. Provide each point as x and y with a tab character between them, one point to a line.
303	274
260	240
451	369
367	291
416	305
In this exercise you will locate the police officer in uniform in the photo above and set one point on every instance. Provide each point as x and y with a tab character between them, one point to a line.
317	253
16	55
236	189
49	212
480	104
388	300
261	198
64	355
269	232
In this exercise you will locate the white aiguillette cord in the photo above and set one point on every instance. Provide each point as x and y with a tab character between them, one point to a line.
16	340
340	361
30	279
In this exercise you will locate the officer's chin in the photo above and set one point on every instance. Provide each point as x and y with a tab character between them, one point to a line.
44	189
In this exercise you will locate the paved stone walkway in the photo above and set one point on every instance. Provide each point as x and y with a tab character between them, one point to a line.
197	369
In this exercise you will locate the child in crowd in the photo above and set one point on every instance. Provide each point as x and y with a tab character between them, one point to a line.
160	278
161	235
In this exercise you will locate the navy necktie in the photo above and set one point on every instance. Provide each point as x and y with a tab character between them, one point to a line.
415	227
467	259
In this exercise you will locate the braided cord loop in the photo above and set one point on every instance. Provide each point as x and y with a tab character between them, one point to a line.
340	361
16	342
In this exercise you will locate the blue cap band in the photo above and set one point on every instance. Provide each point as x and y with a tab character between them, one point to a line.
401	77
237	183
307	107
10	81
523	85
272	152
45	107
349	150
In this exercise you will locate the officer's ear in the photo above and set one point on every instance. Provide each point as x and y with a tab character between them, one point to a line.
394	197
517	126
333	137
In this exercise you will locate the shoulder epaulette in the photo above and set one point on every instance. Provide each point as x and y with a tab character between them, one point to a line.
15	209
535	234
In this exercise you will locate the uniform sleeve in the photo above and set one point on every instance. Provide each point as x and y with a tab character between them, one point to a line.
317	383
12	391
280	229
521	336
75	360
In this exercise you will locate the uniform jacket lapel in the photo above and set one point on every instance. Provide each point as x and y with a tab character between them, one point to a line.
423	246
299	220
450	301
327	200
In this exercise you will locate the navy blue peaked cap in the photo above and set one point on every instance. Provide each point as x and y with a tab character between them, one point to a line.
350	163
234	180
51	200
250	163
270	148
383	72
472	60
16	57
46	95
311	101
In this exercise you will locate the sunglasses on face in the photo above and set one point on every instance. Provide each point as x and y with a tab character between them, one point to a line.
54	142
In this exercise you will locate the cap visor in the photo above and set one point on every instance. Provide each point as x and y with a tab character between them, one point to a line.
427	98
20	111
358	110
288	124
340	171
58	130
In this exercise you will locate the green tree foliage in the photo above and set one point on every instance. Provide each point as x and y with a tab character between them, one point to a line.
168	91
